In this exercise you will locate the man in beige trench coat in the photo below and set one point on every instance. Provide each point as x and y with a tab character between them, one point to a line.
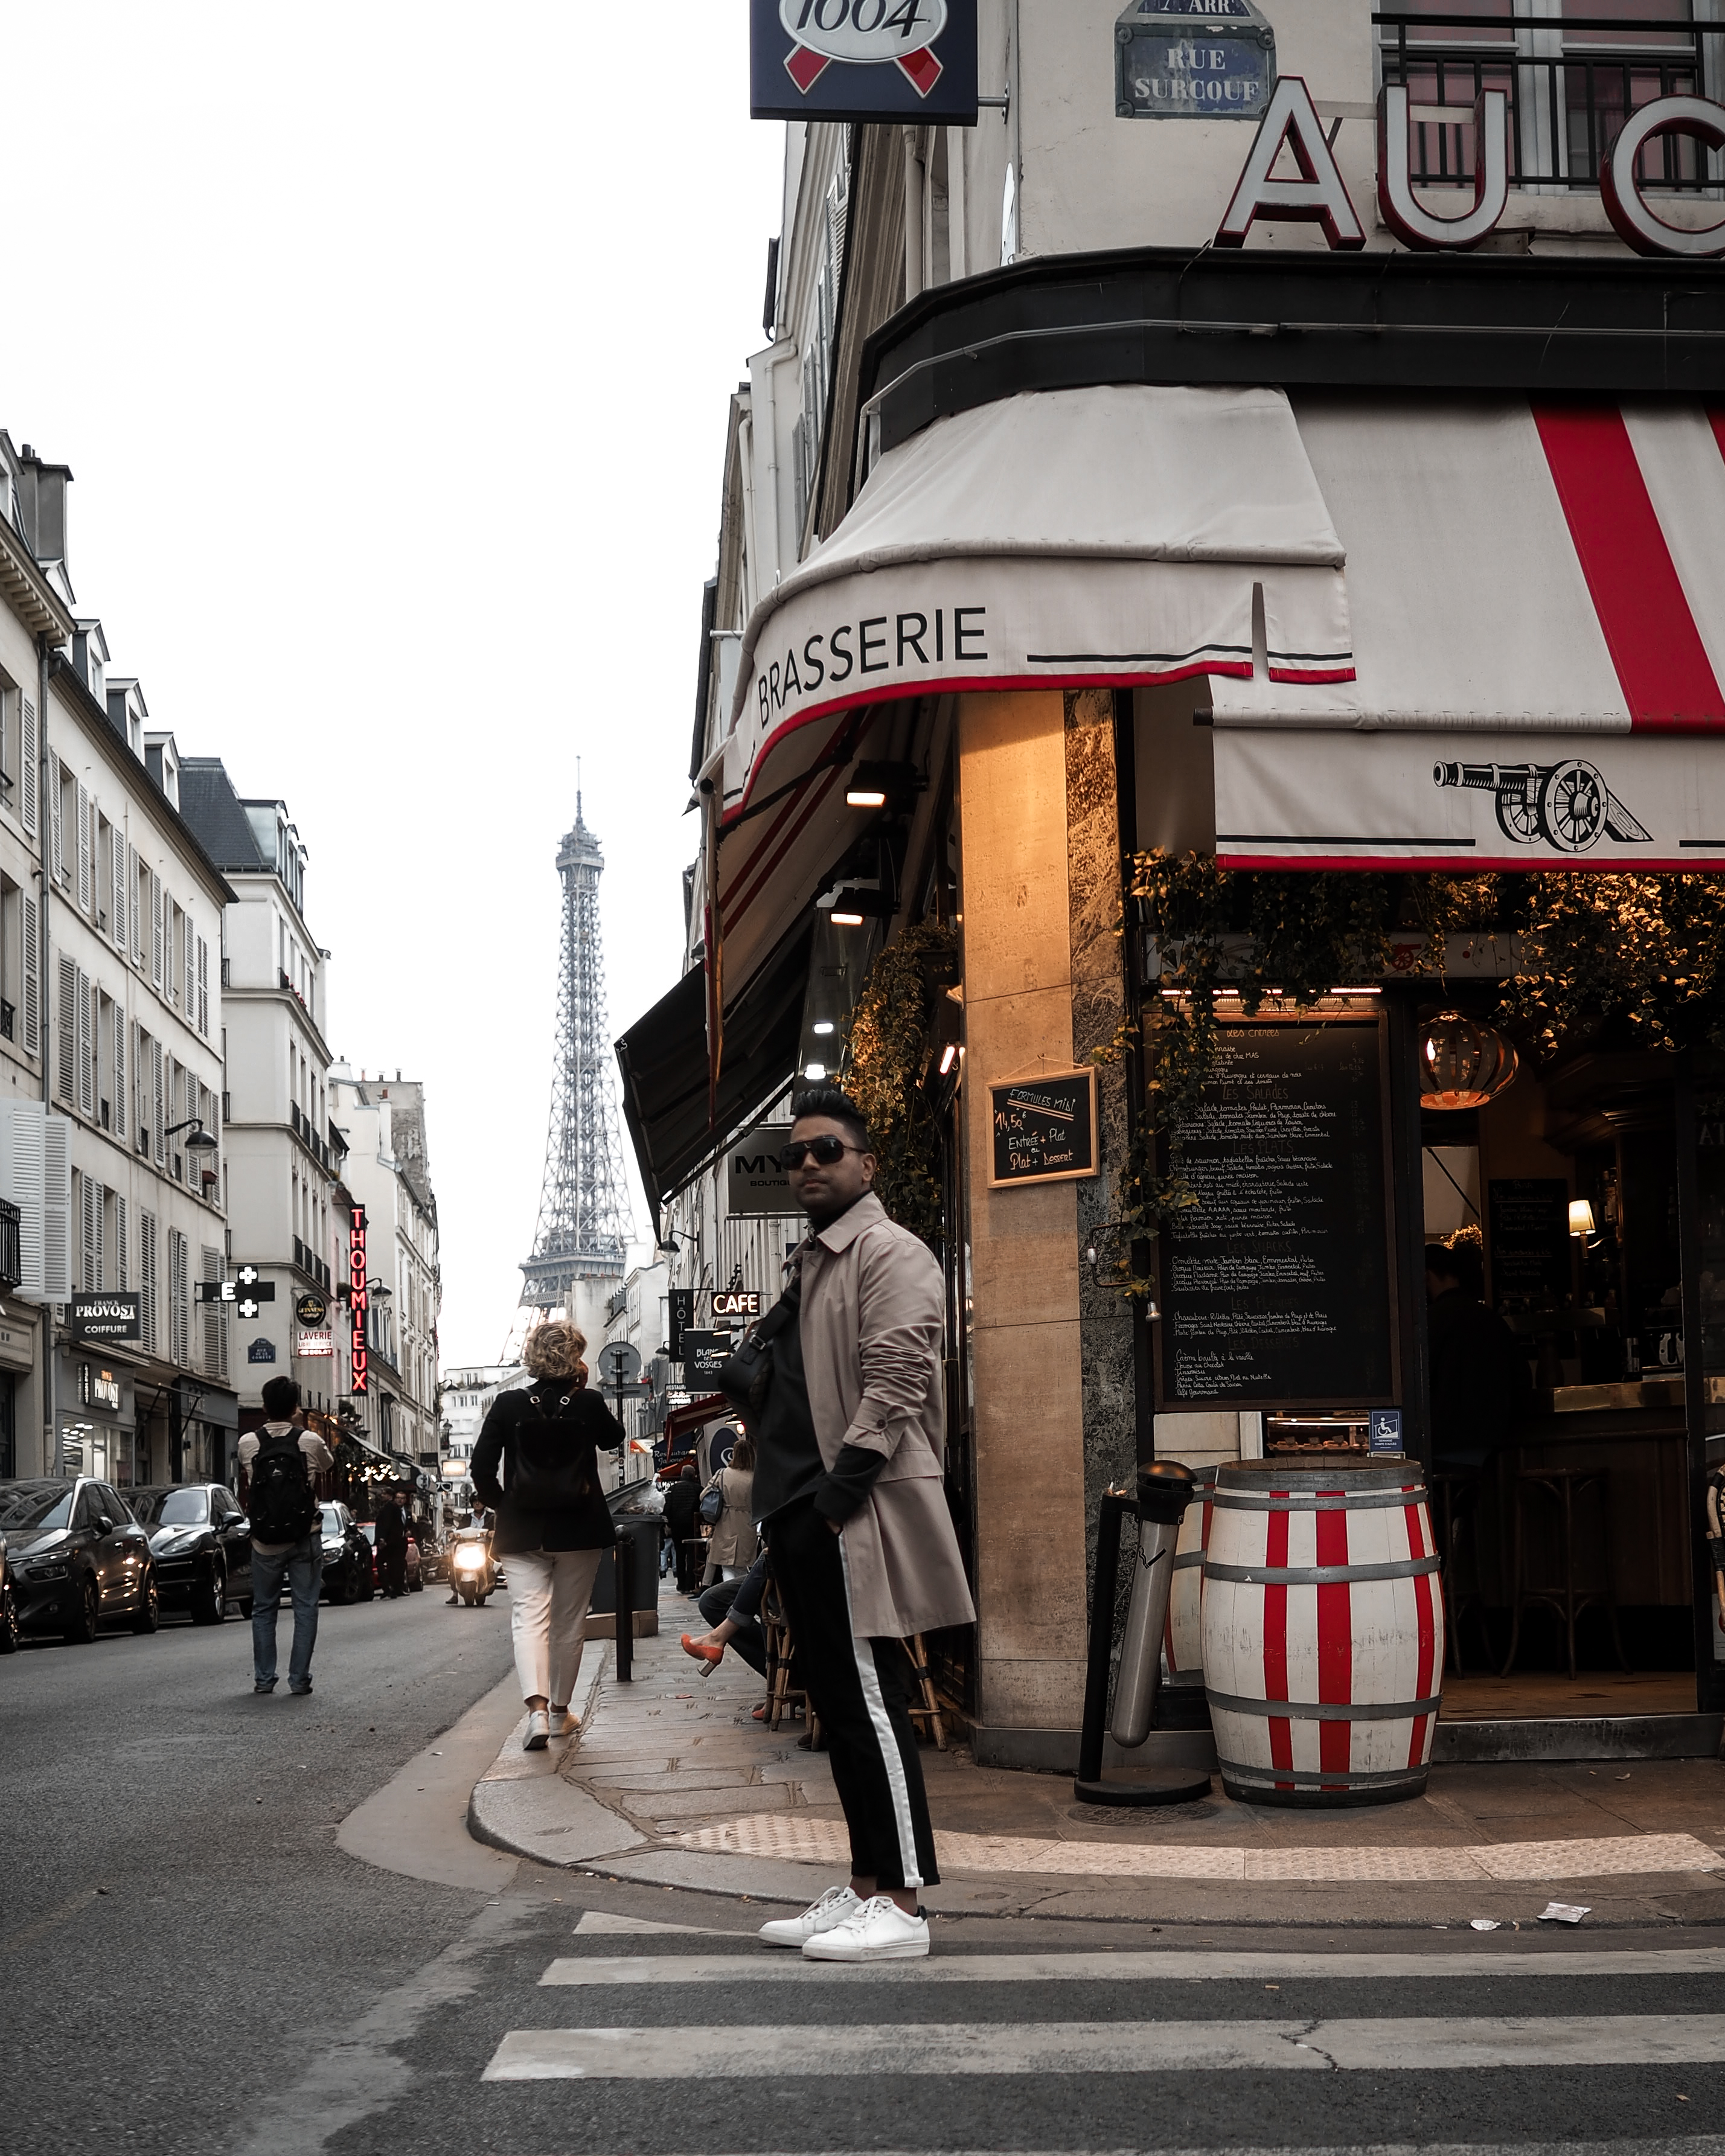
849	1489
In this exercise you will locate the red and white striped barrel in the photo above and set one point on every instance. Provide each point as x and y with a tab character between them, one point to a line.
1322	1630
1181	1643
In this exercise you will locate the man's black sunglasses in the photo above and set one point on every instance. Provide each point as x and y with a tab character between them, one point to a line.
823	1151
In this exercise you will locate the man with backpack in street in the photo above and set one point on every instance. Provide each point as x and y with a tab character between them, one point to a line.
280	1461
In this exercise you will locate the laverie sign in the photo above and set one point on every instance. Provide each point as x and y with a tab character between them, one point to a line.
1316	193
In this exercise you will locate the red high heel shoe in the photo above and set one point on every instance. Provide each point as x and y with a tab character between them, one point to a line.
712	1656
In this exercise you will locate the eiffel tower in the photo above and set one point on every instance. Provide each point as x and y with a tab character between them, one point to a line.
584	1222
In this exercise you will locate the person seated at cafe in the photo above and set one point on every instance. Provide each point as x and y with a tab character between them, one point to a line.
1478	1376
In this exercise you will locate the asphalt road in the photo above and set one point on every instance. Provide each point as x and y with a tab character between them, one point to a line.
190	1963
175	1916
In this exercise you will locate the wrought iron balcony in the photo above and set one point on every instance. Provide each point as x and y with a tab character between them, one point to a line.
1571	83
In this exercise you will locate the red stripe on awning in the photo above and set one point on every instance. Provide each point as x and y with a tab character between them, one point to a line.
1661	664
1716	420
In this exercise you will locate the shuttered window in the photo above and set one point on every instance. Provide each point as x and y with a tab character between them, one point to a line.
158	932
91	1209
119	1070
122	1270
215	1320
32	975
56	828
146	1278
30	778
86	1048
158	1121
188	953
179	1298
117	861
56	1209
65	1078
86	882
203	988
134	912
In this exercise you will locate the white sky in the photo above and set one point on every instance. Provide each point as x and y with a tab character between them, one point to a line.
389	346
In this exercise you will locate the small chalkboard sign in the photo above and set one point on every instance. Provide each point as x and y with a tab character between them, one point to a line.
1044	1127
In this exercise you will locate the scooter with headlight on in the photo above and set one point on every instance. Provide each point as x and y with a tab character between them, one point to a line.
473	1567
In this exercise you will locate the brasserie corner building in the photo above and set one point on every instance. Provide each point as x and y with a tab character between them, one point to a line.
1315	563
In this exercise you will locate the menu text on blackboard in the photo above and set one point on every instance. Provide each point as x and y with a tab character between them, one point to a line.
1276	1285
1044	1129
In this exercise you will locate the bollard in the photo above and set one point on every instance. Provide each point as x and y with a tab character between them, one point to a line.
624	1555
1165	1489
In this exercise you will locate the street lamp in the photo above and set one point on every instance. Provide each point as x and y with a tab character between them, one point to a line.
200	1140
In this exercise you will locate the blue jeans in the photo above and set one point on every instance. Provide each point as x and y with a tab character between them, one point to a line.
301	1568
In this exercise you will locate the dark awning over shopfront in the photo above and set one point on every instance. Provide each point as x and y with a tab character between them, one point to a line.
664	1061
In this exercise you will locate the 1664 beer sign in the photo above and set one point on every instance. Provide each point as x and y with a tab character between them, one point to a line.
862	59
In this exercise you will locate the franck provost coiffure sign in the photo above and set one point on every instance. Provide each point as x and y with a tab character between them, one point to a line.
862	59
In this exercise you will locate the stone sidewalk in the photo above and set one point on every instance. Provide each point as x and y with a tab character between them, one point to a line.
673	1783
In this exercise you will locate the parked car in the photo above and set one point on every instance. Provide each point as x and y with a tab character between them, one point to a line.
346	1557
8	1609
201	1541
77	1557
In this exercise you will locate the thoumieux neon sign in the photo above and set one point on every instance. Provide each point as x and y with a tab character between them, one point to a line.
1319	195
358	1301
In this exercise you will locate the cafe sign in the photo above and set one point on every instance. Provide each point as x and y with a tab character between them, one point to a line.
1315	193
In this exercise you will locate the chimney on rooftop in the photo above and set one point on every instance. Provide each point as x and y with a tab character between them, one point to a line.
42	505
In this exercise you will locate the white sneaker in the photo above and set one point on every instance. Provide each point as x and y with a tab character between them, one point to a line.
563	1723
833	1907
538	1734
876	1930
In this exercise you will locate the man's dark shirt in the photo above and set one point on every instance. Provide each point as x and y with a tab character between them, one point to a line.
681	1502
787	1463
392	1528
1478	1380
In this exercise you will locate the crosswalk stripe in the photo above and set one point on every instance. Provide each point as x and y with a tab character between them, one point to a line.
1424	2044
1172	1965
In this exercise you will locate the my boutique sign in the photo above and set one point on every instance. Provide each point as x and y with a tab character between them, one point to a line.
1315	191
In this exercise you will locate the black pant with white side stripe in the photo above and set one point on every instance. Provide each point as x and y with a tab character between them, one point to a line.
861	1690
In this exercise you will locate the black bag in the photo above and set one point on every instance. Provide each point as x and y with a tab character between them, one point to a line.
746	1377
280	1503
552	1470
712	1502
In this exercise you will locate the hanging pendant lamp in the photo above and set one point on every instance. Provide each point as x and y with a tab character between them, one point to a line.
1463	1064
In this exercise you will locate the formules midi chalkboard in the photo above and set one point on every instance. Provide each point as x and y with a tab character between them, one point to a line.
1044	1128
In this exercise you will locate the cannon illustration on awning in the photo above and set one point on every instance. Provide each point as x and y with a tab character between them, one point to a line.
1567	805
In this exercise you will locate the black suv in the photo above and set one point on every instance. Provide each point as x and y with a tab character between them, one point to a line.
201	1542
346	1556
76	1557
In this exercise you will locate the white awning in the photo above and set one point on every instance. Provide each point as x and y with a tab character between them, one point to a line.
1080	537
1100	536
1537	604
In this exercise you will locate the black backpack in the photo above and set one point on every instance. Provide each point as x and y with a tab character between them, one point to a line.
280	1504
553	1468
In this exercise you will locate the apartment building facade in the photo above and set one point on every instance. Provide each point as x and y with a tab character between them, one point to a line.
391	1294
283	1154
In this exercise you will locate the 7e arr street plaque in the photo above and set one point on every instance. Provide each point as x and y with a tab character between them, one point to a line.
1277	1285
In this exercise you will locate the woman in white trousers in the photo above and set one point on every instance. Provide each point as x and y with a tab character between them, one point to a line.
536	1464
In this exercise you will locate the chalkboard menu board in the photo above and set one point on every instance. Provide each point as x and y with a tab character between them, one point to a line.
1276	1287
1529	1215
1044	1128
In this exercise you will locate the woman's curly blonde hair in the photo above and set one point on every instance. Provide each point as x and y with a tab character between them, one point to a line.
554	1349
